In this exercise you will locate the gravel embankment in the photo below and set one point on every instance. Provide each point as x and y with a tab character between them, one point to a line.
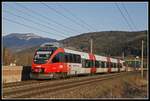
128	86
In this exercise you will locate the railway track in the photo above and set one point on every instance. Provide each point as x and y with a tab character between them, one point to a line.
26	84
36	90
19	83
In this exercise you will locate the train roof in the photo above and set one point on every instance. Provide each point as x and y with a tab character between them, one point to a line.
51	44
83	54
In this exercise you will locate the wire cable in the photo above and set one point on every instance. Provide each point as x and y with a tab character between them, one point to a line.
34	22
31	27
65	16
38	19
126	20
73	15
30	10
129	16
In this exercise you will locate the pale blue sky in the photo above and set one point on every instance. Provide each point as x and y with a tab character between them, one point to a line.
100	16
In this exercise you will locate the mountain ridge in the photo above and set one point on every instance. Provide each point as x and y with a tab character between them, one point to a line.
18	41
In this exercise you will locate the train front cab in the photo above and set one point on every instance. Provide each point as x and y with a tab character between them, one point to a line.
51	67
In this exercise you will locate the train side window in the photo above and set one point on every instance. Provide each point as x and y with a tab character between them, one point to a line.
70	58
78	59
83	63
97	64
58	58
66	57
73	58
107	64
114	65
103	64
89	63
86	63
120	65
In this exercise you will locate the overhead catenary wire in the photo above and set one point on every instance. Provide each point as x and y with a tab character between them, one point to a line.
65	16
126	20
31	27
77	18
45	17
39	19
27	19
125	16
131	20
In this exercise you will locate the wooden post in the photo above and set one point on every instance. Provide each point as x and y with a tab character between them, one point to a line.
91	45
142	60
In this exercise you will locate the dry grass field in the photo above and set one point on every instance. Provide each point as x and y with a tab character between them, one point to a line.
128	86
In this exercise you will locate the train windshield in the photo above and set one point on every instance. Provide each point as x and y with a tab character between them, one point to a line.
43	54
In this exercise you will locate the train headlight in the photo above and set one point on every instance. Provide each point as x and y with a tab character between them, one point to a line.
39	70
61	66
38	66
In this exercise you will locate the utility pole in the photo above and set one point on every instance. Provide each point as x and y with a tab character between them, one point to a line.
91	45
142	60
123	55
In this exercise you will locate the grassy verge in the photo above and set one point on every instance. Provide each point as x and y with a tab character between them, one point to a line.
126	86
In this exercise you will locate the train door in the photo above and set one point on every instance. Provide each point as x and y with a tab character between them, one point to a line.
58	64
108	64
118	65
92	62
73	63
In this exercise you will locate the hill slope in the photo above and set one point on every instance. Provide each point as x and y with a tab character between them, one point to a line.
109	42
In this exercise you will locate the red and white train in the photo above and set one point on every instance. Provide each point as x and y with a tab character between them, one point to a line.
55	62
